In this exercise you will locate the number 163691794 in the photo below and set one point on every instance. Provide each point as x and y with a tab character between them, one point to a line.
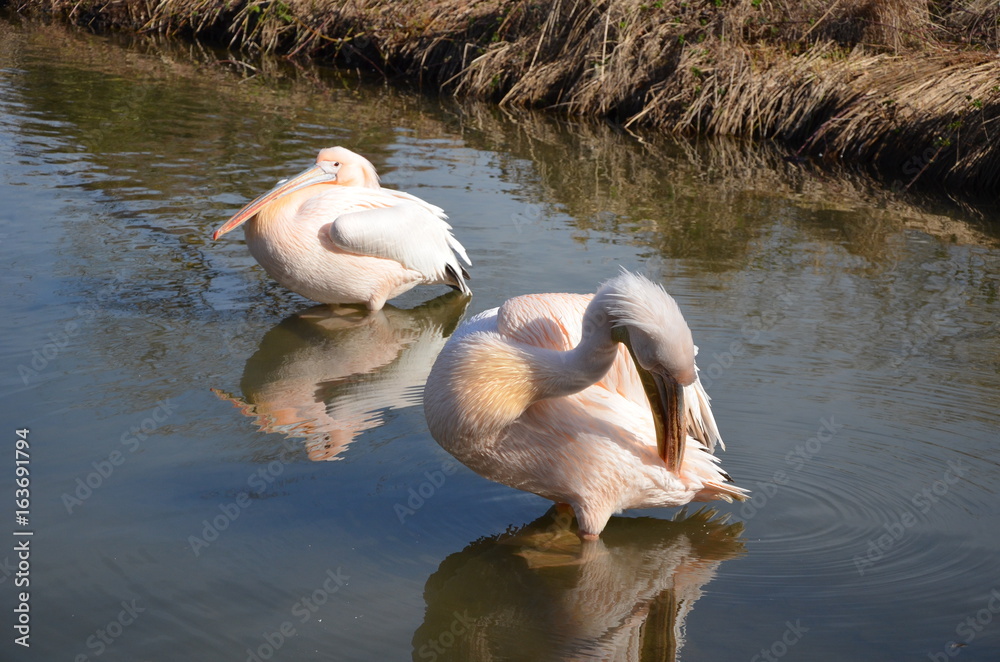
22	494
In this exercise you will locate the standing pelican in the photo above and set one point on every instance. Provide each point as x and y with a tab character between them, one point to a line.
332	234
540	395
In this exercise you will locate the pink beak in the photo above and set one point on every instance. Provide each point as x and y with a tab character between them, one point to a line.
314	175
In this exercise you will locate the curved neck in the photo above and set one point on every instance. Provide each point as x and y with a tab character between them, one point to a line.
477	390
558	374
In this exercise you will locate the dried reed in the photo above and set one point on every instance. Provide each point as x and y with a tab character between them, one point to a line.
911	87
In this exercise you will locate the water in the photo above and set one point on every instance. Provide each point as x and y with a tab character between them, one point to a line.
220	470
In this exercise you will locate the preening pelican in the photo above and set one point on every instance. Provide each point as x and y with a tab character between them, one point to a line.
334	235
592	401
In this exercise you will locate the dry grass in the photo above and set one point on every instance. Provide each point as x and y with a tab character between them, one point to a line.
910	87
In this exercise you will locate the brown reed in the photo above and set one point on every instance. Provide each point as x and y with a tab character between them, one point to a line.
910	88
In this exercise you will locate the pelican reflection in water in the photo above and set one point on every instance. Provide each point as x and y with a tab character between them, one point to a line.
543	594
328	373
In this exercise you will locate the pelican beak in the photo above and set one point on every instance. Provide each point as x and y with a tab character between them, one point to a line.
314	175
666	400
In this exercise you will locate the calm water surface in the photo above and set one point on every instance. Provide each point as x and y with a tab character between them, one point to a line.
252	476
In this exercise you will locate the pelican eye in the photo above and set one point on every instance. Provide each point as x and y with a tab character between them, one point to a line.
336	164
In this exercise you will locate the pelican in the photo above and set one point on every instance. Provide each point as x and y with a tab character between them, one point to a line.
334	235
590	401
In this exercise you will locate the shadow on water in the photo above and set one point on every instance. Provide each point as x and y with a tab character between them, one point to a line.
328	373
539	593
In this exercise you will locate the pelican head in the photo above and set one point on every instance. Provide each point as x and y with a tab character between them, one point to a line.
334	165
649	323
347	168
660	338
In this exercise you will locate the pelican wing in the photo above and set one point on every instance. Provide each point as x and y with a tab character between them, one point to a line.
701	421
408	233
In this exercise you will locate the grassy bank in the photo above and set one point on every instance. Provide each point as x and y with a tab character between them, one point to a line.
907	87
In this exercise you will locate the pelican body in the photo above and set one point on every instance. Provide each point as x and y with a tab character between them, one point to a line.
334	235
592	401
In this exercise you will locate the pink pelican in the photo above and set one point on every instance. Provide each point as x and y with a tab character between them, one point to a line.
591	401
334	235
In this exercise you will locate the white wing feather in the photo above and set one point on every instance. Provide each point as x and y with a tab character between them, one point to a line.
438	212
406	232
701	422
390	224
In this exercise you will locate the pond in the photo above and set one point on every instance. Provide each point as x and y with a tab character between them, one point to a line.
221	470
